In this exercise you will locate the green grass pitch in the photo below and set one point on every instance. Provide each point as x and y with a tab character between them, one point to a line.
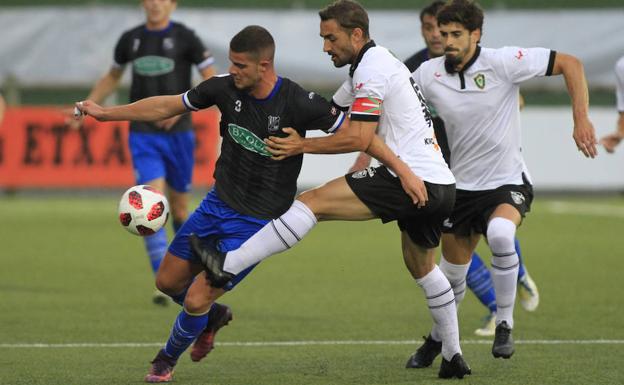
70	275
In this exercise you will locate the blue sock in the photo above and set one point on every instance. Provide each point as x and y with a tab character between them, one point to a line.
156	246
185	329
479	280
177	225
521	270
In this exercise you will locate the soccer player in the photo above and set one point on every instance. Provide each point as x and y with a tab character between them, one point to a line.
611	141
475	92
162	54
381	97
251	188
479	278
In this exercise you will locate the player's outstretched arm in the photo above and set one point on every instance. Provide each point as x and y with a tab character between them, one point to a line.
584	133
352	136
148	109
611	140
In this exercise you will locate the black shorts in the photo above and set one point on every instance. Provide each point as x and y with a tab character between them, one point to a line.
473	208
383	194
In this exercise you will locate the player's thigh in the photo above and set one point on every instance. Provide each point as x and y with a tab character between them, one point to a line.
201	295
335	201
175	274
507	211
458	249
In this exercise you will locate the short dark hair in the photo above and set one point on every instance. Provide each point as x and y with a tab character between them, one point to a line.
432	9
255	40
349	14
464	12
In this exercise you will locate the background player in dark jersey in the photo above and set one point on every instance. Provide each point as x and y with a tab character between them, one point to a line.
250	188
479	278
161	53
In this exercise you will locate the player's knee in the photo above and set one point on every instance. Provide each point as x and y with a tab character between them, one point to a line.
167	285
197	303
500	235
310	199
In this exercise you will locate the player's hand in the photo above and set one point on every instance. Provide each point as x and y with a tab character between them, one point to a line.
282	148
71	120
585	137
88	107
415	188
611	141
363	160
166	124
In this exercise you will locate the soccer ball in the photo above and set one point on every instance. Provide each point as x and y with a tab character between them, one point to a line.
143	210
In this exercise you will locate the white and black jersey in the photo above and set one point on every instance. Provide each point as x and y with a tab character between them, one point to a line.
480	109
247	179
381	89
162	64
619	84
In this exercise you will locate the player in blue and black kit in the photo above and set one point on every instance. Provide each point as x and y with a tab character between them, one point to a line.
162	55
250	189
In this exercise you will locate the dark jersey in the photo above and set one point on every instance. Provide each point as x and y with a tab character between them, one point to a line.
247	179
412	63
161	64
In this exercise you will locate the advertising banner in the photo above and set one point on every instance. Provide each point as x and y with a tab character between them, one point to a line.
38	149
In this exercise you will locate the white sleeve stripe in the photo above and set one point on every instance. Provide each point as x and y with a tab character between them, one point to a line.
206	63
338	122
187	102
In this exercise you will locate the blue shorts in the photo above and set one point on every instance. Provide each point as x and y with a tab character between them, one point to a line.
163	155
214	221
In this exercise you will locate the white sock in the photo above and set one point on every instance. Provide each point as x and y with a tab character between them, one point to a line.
456	275
276	236
440	300
505	262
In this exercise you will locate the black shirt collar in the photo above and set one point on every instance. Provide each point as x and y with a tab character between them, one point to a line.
365	48
473	59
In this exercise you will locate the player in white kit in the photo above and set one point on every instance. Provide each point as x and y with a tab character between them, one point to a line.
475	91
613	139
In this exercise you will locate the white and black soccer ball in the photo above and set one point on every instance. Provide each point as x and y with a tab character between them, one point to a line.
143	210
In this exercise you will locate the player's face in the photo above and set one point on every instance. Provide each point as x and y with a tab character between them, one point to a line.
337	43
458	42
431	34
245	70
158	11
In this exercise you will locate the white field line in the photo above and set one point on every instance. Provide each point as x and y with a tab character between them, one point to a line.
300	343
599	210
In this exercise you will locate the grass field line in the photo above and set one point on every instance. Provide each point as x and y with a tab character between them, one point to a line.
300	343
599	210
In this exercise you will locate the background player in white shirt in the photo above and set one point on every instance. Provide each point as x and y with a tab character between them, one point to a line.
612	140
381	96
475	91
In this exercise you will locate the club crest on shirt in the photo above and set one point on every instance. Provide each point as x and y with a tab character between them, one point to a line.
517	197
480	81
273	124
167	43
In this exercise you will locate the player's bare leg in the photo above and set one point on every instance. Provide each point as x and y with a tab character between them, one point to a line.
332	201
501	233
